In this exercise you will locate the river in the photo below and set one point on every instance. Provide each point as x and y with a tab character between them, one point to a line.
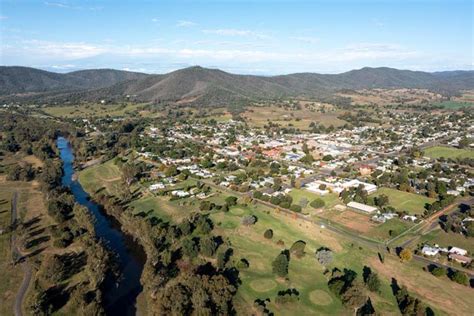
119	295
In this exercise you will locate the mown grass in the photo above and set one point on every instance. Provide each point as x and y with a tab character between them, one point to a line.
448	152
330	199
404	201
105	175
305	274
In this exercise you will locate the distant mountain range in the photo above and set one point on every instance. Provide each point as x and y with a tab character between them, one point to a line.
213	87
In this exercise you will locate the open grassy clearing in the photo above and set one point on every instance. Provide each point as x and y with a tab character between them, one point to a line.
331	199
447	297
105	175
404	201
448	152
258	116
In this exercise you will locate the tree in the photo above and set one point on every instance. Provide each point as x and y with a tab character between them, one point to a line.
231	201
171	171
208	246
381	200
298	248
317	203
324	256
406	254
268	234
460	277
280	264
354	296
296	208
249	220
373	282
438	271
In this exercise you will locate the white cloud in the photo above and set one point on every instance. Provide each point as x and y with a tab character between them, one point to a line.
235	32
3	17
63	51
67	6
155	20
185	23
306	39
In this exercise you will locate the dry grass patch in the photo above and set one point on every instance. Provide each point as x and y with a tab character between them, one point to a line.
450	297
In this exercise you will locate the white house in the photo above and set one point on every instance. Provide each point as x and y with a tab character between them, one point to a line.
458	251
429	251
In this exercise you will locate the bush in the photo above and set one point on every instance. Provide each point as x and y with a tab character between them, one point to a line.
406	255
317	203
231	201
296	208
249	220
460	277
268	234
243	264
438	271
298	248
280	264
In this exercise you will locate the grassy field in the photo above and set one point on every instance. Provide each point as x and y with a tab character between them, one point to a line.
404	201
106	175
261	115
448	152
305	274
331	199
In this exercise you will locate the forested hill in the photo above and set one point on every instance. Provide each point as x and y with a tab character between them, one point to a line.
211	86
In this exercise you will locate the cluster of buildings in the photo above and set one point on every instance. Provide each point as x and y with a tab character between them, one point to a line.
454	253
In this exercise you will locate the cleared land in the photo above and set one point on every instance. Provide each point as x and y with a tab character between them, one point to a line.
404	201
106	175
448	152
259	116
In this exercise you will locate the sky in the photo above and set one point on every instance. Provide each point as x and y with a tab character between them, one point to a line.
260	37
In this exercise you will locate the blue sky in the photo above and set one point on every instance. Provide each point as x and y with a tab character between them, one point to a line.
254	37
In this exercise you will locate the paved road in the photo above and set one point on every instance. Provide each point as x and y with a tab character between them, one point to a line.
15	256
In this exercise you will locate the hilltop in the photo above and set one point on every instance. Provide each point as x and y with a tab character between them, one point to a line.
213	87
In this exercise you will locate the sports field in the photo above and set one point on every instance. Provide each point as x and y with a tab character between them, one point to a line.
405	201
448	152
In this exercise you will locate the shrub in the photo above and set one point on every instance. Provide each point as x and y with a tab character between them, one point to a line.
249	220
298	248
406	255
268	234
280	264
243	264
231	201
460	277
438	271
296	208
317	203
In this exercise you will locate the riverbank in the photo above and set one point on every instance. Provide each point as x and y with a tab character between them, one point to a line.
120	296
